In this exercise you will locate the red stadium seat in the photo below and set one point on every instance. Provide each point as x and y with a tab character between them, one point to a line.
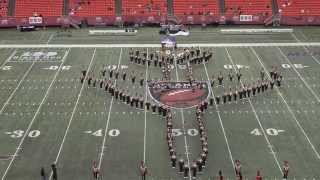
144	7
248	7
85	8
3	8
46	8
299	7
196	7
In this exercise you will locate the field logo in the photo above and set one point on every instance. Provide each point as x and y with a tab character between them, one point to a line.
38	56
179	94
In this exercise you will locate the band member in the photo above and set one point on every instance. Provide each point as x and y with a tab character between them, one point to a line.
220	79
285	170
173	160
194	170
143	170
237	168
124	75
258	177
220	176
95	171
181	165
230	76
239	75
199	164
185	171
217	99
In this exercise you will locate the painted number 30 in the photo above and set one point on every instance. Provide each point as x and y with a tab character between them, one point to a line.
20	133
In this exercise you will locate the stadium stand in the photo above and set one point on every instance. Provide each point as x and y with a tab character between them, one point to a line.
3	8
299	7
248	7
144	7
46	8
196	7
85	8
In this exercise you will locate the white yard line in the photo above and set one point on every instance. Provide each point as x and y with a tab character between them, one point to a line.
300	76
295	37
33	119
288	107
306	49
8	59
73	113
219	116
145	111
18	86
108	119
183	127
50	38
257	118
292	44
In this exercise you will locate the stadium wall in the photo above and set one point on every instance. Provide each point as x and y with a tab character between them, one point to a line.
193	20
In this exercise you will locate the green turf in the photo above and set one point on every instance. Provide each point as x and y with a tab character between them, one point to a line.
297	113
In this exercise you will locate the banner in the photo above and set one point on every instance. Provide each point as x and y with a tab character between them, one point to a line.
35	20
245	18
180	33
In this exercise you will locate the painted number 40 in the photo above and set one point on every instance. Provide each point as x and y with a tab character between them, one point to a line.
269	131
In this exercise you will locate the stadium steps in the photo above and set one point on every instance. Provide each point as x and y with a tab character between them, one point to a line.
222	6
275	7
118	7
11	8
65	9
170	7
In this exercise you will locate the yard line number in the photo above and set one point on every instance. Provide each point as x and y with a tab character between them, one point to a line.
99	133
269	131
19	133
190	132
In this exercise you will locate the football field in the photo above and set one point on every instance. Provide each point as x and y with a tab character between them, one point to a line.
47	116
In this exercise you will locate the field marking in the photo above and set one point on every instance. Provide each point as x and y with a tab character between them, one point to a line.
108	118
183	123
306	49
288	107
257	117
300	76
294	44
8	59
295	37
145	111
72	114
50	38
34	117
220	119
17	87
